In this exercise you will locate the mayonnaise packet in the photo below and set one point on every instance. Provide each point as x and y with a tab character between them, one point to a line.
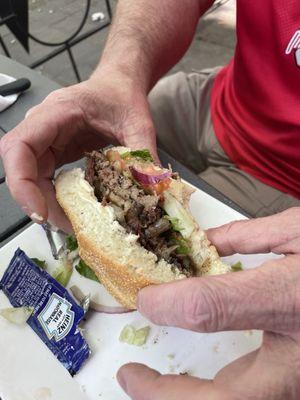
55	315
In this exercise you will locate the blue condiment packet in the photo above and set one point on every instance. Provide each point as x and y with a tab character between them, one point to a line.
56	315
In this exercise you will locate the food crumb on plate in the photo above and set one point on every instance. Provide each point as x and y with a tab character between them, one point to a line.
43	393
248	333
174	368
171	356
216	348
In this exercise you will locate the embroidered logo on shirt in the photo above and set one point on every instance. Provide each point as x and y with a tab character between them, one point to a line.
294	45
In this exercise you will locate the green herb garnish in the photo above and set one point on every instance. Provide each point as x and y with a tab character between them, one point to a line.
183	246
40	263
238	266
174	222
71	243
83	269
142	154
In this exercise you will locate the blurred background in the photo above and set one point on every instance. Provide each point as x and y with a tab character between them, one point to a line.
56	20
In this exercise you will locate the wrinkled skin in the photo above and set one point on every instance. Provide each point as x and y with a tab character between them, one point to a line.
267	298
67	123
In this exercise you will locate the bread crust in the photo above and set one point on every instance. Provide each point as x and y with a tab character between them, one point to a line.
121	283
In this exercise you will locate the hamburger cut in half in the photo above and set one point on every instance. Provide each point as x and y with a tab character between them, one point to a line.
132	223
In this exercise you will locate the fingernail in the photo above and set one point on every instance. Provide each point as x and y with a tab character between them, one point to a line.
38	219
6	181
27	114
122	381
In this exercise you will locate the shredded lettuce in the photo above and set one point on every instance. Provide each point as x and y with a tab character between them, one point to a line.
40	263
183	246
63	272
238	266
174	222
17	315
133	336
71	243
83	269
142	154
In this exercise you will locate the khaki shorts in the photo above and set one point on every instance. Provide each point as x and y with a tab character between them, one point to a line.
180	106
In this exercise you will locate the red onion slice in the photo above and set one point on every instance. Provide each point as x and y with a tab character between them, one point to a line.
149	178
79	295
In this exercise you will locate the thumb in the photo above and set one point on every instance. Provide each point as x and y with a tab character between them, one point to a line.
263	298
143	383
140	133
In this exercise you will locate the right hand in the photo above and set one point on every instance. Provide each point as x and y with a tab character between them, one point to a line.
278	233
105	109
266	298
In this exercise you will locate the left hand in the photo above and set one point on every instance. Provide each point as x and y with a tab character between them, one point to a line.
265	298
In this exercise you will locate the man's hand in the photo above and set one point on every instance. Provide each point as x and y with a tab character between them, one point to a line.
145	40
108	108
266	298
279	234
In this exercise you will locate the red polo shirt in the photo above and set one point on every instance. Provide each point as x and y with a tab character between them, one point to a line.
256	99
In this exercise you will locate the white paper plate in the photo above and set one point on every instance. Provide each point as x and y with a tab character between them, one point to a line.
29	371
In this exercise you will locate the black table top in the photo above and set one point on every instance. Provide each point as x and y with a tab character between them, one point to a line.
40	88
12	219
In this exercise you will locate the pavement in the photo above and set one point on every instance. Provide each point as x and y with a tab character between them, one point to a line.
54	20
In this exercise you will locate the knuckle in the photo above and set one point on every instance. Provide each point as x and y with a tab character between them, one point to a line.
203	307
58	95
67	102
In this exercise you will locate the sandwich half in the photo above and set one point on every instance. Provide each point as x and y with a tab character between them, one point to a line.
132	223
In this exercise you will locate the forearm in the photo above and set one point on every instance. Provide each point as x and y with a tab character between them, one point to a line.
148	37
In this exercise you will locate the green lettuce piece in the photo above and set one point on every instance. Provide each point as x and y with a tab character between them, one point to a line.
71	243
141	336
142	154
63	272
238	266
183	246
41	263
17	315
83	269
136	337
174	222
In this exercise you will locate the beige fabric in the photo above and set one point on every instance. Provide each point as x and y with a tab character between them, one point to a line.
180	106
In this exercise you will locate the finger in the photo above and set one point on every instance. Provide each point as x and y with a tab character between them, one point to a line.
264	298
56	214
144	140
278	233
143	383
22	147
21	177
140	133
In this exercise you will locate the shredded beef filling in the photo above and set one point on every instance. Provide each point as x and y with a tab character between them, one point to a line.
137	211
